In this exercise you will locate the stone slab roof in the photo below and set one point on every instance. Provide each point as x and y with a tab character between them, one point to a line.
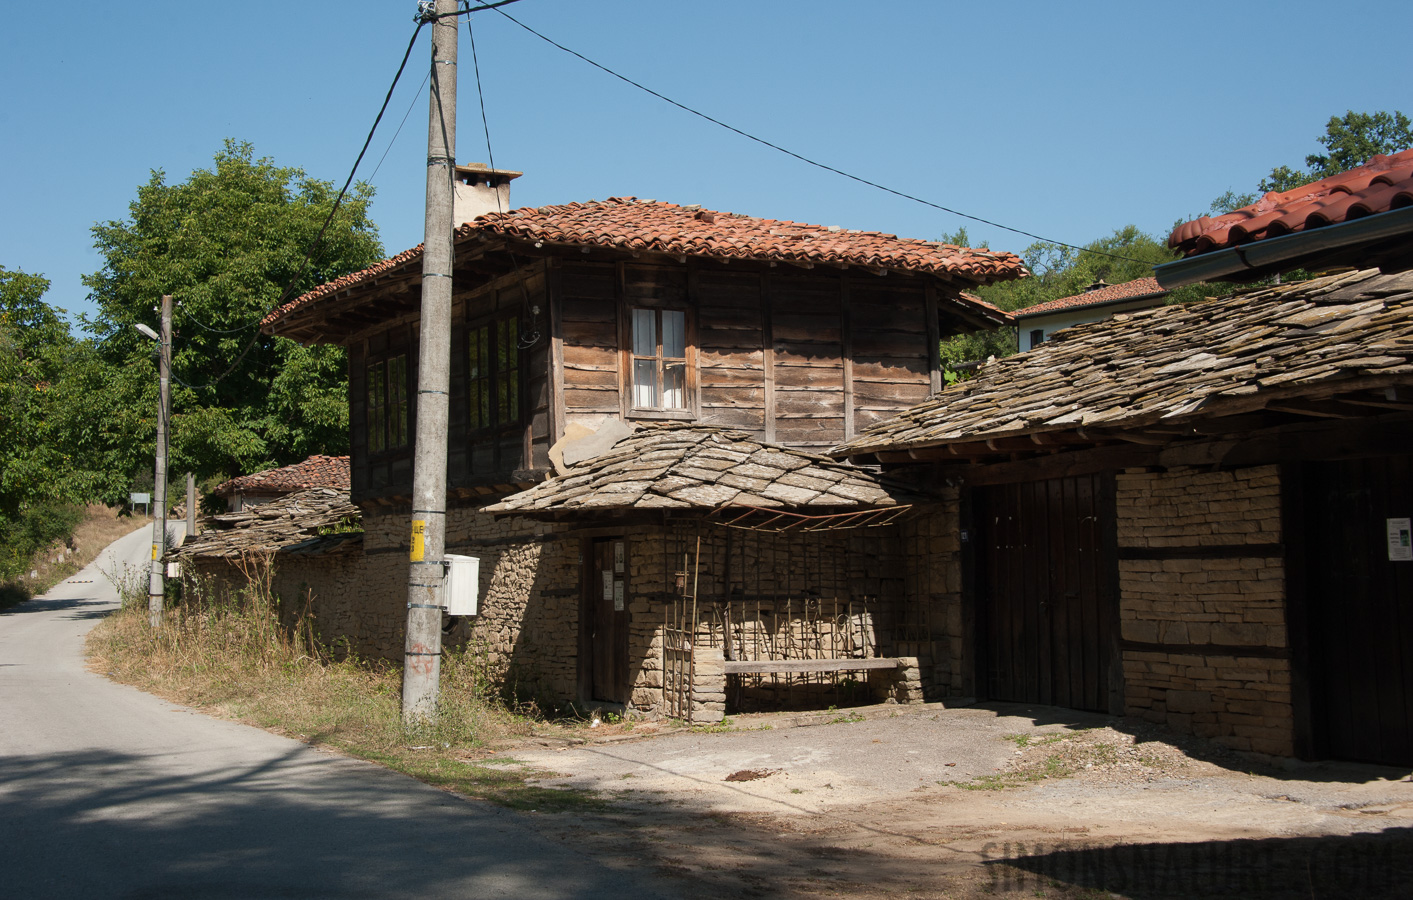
698	467
633	225
279	526
314	472
1175	364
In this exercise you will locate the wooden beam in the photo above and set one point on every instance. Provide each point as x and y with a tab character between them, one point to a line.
774	666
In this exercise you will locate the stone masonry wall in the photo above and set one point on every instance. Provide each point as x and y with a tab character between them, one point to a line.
1215	605
932	616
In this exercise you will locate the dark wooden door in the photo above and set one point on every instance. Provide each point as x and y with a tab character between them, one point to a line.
1360	609
1046	589
604	632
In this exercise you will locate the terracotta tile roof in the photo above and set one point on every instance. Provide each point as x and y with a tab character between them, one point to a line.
288	524
316	471
1381	184
1176	364
630	224
1138	289
697	467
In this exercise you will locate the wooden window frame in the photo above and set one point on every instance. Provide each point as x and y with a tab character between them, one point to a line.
389	421
495	398
631	358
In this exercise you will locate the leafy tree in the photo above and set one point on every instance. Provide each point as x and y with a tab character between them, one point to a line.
1350	140
42	472
1059	271
229	244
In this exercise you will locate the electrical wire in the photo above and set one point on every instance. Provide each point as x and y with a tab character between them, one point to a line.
186	313
338	201
415	97
802	158
530	336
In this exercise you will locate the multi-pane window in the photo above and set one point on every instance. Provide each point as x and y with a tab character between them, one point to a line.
494	373
387	404
659	359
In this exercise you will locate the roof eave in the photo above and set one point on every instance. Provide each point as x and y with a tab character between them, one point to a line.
1265	257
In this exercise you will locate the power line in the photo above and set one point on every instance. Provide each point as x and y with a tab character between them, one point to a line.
415	97
793	154
186	313
338	201
524	340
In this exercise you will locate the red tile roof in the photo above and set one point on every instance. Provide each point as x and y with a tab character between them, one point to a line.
314	472
1137	289
1381	184
627	223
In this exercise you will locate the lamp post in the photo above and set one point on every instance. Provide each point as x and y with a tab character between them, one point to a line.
159	490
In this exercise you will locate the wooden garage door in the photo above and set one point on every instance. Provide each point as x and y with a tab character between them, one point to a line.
1045	586
1361	610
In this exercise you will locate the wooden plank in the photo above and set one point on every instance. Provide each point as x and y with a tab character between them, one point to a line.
885	395
880	343
737	357
717	340
581	284
591	356
602	334
814	404
588	378
847	351
596	309
911	369
768	356
934	345
781	666
716	396
724	376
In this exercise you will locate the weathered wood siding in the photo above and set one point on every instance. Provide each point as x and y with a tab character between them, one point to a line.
588	316
488	457
798	357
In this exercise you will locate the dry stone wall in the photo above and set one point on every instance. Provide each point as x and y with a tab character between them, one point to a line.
1186	618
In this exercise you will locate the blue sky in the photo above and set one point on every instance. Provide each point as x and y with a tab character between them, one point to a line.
1065	120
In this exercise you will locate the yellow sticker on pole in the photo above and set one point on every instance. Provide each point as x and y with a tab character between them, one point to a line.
419	539
154	551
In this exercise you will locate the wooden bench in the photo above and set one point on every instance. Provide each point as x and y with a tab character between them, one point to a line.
796	666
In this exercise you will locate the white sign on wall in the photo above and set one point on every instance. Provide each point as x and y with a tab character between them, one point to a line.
1400	540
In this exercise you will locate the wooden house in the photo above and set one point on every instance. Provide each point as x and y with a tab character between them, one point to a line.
573	321
1199	514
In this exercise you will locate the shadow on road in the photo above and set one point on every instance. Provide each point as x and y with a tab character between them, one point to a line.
103	824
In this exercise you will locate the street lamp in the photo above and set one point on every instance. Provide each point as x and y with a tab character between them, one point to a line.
159	488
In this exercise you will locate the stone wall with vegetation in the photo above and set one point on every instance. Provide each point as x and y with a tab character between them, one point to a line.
1205	648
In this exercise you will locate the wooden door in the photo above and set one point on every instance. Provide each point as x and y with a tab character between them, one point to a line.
1045	582
603	632
1360	604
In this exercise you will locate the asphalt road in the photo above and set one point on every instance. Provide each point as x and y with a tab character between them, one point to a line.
109	792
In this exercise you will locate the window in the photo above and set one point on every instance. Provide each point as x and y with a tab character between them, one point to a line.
1037	337
493	374
387	404
659	359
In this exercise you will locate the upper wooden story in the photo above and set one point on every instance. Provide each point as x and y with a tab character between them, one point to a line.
643	311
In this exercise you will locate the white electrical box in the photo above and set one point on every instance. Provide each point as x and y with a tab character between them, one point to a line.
463	585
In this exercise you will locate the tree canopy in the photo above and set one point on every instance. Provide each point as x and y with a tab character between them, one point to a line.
1349	140
229	243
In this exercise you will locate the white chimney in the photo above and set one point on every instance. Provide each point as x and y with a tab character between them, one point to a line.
480	190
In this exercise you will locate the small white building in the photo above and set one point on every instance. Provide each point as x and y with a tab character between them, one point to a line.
1099	301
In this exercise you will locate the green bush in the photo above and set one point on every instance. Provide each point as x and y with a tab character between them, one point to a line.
34	528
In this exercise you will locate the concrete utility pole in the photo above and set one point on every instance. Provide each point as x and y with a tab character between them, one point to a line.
159	487
190	506
421	673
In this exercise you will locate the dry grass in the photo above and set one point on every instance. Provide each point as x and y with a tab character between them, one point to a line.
231	656
100	526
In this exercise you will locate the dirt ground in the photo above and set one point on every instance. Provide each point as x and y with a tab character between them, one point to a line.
981	801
